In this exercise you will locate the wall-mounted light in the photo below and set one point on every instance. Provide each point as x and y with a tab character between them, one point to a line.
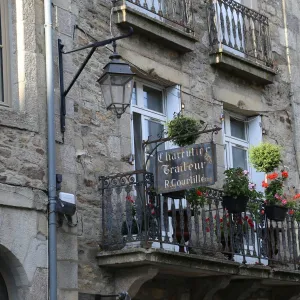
117	84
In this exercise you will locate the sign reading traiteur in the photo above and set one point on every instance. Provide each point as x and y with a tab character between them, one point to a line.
185	168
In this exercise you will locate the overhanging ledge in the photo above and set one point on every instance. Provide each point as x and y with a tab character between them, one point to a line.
244	67
190	265
172	35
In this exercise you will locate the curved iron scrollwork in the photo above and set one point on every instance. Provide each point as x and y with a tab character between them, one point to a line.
124	179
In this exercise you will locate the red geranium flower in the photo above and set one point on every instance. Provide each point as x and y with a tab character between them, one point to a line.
264	184
284	174
272	176
199	193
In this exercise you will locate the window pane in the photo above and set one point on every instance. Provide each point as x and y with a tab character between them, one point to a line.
133	98
153	99
155	130
138	139
237	129
239	158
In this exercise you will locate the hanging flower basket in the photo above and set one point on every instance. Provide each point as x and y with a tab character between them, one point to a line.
238	190
235	205
276	213
183	130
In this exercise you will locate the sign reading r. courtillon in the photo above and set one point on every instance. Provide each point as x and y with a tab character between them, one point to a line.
185	168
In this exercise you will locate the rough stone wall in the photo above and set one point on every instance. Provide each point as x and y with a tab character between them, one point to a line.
96	141
23	167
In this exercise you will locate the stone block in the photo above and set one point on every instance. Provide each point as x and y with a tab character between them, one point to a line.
67	274
36	257
67	295
67	246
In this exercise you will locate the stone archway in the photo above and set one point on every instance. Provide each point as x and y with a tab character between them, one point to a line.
3	289
13	278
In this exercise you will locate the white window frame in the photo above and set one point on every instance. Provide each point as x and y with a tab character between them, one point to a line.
230	140
146	114
6	84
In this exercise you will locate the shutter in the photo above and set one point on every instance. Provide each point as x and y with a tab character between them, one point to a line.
173	105
255	138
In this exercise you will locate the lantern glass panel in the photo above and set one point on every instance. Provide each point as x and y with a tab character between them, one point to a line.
121	89
105	85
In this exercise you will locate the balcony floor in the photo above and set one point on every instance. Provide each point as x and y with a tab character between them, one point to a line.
190	265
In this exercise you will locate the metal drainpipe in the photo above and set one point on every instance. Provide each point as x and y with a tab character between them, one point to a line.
51	153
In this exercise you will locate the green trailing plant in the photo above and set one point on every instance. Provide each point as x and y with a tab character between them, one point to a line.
183	130
237	184
265	157
196	197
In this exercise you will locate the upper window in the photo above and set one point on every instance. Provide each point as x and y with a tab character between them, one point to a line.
4	55
240	133
152	106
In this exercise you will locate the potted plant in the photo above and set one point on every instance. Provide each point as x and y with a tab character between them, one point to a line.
265	157
238	190
277	201
184	130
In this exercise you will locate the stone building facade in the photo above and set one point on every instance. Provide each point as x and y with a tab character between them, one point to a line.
214	57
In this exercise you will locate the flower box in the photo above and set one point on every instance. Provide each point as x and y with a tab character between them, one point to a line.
235	204
276	213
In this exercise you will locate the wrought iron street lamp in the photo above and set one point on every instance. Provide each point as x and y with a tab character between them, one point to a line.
116	82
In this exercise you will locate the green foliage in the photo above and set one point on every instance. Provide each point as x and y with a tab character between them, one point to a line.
237	184
265	157
297	216
182	125
255	208
274	192
196	197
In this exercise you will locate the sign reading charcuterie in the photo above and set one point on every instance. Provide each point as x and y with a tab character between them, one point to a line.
184	168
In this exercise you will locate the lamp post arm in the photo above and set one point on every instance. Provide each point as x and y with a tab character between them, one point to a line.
79	71
102	43
64	92
94	46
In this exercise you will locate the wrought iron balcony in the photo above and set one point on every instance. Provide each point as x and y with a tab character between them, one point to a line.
134	216
178	12
239	30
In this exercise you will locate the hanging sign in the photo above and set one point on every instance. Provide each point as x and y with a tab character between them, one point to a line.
184	168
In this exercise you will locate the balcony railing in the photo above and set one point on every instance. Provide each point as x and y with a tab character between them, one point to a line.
175	12
239	30
133	216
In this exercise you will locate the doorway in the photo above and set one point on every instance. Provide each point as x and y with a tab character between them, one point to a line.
3	289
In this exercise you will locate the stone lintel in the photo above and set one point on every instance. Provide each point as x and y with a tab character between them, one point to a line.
173	36
242	67
189	265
